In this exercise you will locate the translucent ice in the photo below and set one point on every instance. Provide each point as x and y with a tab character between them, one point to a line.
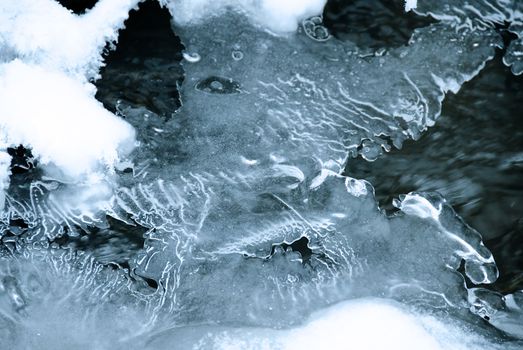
56	299
481	14
247	221
317	98
226	262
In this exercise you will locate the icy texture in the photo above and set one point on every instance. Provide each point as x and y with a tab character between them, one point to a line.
479	14
222	260
514	55
213	242
355	324
263	119
56	299
318	98
249	222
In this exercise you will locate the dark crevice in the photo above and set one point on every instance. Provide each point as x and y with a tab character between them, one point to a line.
506	35
22	160
508	252
114	244
17	227
24	170
300	245
144	70
78	6
372	23
150	282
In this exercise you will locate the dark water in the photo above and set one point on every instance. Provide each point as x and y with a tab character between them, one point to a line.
473	155
78	6
145	68
373	23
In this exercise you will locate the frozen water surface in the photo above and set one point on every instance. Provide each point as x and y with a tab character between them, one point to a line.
228	223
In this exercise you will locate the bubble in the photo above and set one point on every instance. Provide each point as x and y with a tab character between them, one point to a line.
218	85
191	57
237	55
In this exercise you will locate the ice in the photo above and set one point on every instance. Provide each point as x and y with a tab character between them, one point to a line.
56	299
494	11
514	55
303	111
233	290
248	223
212	242
361	323
5	162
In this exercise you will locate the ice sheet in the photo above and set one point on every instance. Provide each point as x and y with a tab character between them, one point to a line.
248	221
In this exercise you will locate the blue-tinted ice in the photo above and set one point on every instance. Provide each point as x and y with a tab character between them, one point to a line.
249	222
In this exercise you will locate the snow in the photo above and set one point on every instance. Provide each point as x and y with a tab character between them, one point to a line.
259	171
46	101
363	324
410	5
45	33
278	16
59	118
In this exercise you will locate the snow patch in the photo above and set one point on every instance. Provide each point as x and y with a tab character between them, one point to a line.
277	16
46	33
369	323
47	57
59	118
410	5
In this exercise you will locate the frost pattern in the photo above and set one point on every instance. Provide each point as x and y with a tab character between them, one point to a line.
248	221
480	14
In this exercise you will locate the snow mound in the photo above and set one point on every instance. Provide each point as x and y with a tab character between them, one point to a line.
59	118
277	16
45	33
47	57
